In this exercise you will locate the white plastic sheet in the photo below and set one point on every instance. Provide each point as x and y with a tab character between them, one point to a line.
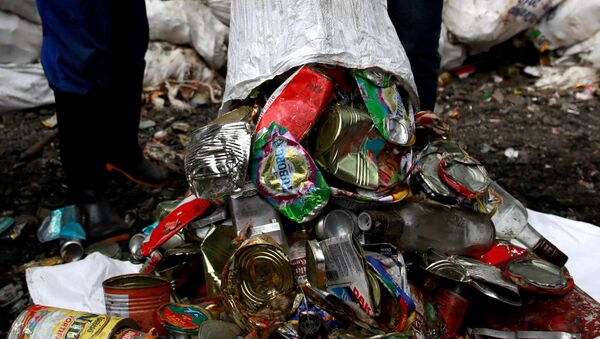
26	9
20	40
78	285
269	37
573	21
588	50
481	24
452	55
220	8
23	86
578	240
189	22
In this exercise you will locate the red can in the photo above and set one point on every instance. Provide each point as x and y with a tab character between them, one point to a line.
136	296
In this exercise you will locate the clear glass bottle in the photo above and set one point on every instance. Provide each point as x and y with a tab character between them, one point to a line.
510	221
420	226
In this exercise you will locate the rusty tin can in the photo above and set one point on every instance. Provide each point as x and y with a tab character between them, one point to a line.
49	322
136	296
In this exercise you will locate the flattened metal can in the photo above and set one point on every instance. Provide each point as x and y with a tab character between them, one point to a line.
184	319
347	146
136	296
336	223
42	322
259	287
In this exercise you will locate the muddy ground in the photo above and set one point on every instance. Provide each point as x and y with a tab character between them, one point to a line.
557	169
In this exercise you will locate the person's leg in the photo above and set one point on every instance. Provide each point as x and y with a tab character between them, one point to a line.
128	45
418	24
74	56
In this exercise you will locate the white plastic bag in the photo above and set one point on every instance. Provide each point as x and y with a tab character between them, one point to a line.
20	40
23	86
482	24
26	9
189	22
270	37
573	21
220	8
588	50
453	55
78	285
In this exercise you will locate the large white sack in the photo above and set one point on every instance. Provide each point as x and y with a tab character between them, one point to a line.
23	86
588	50
482	24
452	55
20	40
578	240
573	21
26	9
189	22
270	37
77	285
221	9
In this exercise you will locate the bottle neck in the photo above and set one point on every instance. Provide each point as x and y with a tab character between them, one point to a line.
541	246
529	236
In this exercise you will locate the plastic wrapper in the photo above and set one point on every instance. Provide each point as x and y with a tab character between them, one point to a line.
285	174
264	43
62	223
391	117
298	102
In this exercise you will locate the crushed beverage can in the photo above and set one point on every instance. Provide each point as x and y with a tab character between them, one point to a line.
336	223
217	158
49	322
286	176
386	106
71	250
347	146
298	102
259	288
216	248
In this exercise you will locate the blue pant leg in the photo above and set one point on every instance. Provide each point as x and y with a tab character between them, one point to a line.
418	24
75	47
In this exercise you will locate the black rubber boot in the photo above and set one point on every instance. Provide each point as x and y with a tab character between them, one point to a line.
140	170
100	219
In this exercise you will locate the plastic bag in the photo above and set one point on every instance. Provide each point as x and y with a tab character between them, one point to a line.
20	40
189	22
588	50
453	55
481	24
23	86
62	223
571	22
221	9
269	38
26	9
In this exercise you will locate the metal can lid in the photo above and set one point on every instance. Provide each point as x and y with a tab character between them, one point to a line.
365	221
336	223
539	273
181	317
315	265
398	131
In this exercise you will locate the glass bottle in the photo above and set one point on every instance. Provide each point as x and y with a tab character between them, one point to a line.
420	226
510	221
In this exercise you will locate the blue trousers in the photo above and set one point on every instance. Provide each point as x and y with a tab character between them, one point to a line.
418	24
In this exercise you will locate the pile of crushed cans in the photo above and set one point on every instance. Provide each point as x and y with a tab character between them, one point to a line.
325	206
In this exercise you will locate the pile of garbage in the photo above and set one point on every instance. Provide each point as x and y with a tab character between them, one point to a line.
326	207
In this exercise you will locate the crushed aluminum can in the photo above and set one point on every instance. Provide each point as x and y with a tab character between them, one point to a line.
188	209
71	250
445	169
298	102
336	223
109	249
539	276
135	246
217	159
386	107
488	333
181	318
347	146
316	272
50	322
486	279
345	268
259	288
297	242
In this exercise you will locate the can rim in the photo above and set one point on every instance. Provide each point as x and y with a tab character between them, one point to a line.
154	281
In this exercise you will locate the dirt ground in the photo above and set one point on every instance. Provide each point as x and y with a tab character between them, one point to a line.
557	169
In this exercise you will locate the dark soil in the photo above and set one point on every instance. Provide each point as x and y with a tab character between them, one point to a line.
557	170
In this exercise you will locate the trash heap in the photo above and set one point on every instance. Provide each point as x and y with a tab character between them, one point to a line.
323	206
